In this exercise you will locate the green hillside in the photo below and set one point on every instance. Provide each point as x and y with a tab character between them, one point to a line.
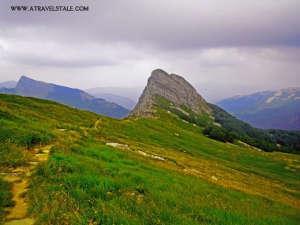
159	170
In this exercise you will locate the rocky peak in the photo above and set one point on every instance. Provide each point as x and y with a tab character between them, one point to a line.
173	88
30	87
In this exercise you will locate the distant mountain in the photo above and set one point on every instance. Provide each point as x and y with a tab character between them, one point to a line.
8	84
120	100
69	96
269	109
131	93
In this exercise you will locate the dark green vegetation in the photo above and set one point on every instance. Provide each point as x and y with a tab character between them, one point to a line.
5	198
269	140
197	180
232	129
219	133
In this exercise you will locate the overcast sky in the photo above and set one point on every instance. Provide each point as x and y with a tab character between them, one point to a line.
223	47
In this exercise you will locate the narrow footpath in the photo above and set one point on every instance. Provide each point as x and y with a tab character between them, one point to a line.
19	177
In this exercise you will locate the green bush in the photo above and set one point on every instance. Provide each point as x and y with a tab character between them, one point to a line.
24	135
31	139
218	133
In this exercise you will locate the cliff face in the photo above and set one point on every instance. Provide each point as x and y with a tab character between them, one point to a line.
173	88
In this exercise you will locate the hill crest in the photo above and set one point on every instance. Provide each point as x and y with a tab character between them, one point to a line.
70	96
172	87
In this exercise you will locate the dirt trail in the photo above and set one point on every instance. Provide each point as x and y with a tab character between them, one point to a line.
19	177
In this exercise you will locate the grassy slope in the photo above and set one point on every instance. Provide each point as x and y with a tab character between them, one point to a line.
201	181
26	122
171	133
5	198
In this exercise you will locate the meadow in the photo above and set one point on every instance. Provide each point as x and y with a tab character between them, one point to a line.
162	170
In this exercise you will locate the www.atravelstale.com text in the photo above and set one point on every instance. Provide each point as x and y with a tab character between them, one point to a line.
50	8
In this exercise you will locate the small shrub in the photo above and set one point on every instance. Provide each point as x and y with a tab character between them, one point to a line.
218	133
31	139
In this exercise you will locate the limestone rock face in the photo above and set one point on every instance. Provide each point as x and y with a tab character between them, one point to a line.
173	88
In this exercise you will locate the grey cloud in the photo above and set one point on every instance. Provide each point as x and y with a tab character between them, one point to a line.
48	53
171	24
222	46
61	63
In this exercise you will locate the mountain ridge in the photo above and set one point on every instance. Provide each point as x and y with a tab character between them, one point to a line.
279	109
8	84
70	96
